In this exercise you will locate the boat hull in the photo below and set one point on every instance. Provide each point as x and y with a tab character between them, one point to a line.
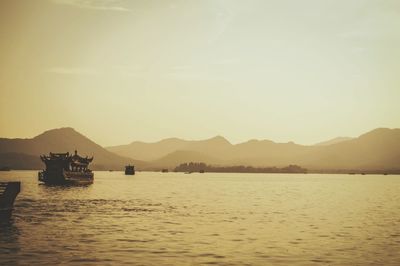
66	178
129	172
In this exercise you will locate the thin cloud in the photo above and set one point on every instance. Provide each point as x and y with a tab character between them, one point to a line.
227	61
71	71
104	5
110	71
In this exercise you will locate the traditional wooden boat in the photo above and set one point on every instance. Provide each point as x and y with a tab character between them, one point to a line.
8	193
66	169
129	170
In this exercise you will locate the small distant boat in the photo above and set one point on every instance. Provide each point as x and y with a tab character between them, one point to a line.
66	169
8	193
164	170
201	171
129	170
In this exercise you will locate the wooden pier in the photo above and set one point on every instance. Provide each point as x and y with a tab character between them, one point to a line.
8	193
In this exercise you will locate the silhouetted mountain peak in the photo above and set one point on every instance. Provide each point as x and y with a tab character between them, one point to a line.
219	139
381	133
58	132
252	141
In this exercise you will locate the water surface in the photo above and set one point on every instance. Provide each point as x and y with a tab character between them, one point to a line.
223	219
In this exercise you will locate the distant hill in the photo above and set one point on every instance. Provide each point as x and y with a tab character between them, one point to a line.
20	161
149	151
24	153
155	151
375	150
333	141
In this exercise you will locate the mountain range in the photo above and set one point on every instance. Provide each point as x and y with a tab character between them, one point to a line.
377	150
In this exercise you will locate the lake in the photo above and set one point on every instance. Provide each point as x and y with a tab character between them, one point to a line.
189	219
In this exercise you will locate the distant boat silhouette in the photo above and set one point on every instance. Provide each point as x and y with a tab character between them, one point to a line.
129	170
164	170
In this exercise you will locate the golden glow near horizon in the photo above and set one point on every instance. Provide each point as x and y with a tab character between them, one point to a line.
119	71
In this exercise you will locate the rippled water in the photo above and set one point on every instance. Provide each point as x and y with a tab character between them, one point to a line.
224	219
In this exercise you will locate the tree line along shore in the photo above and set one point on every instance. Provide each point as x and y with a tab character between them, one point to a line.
202	167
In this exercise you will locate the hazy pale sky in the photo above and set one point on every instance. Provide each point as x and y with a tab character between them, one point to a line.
119	71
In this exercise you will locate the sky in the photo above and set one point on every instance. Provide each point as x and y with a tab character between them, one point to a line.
120	71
